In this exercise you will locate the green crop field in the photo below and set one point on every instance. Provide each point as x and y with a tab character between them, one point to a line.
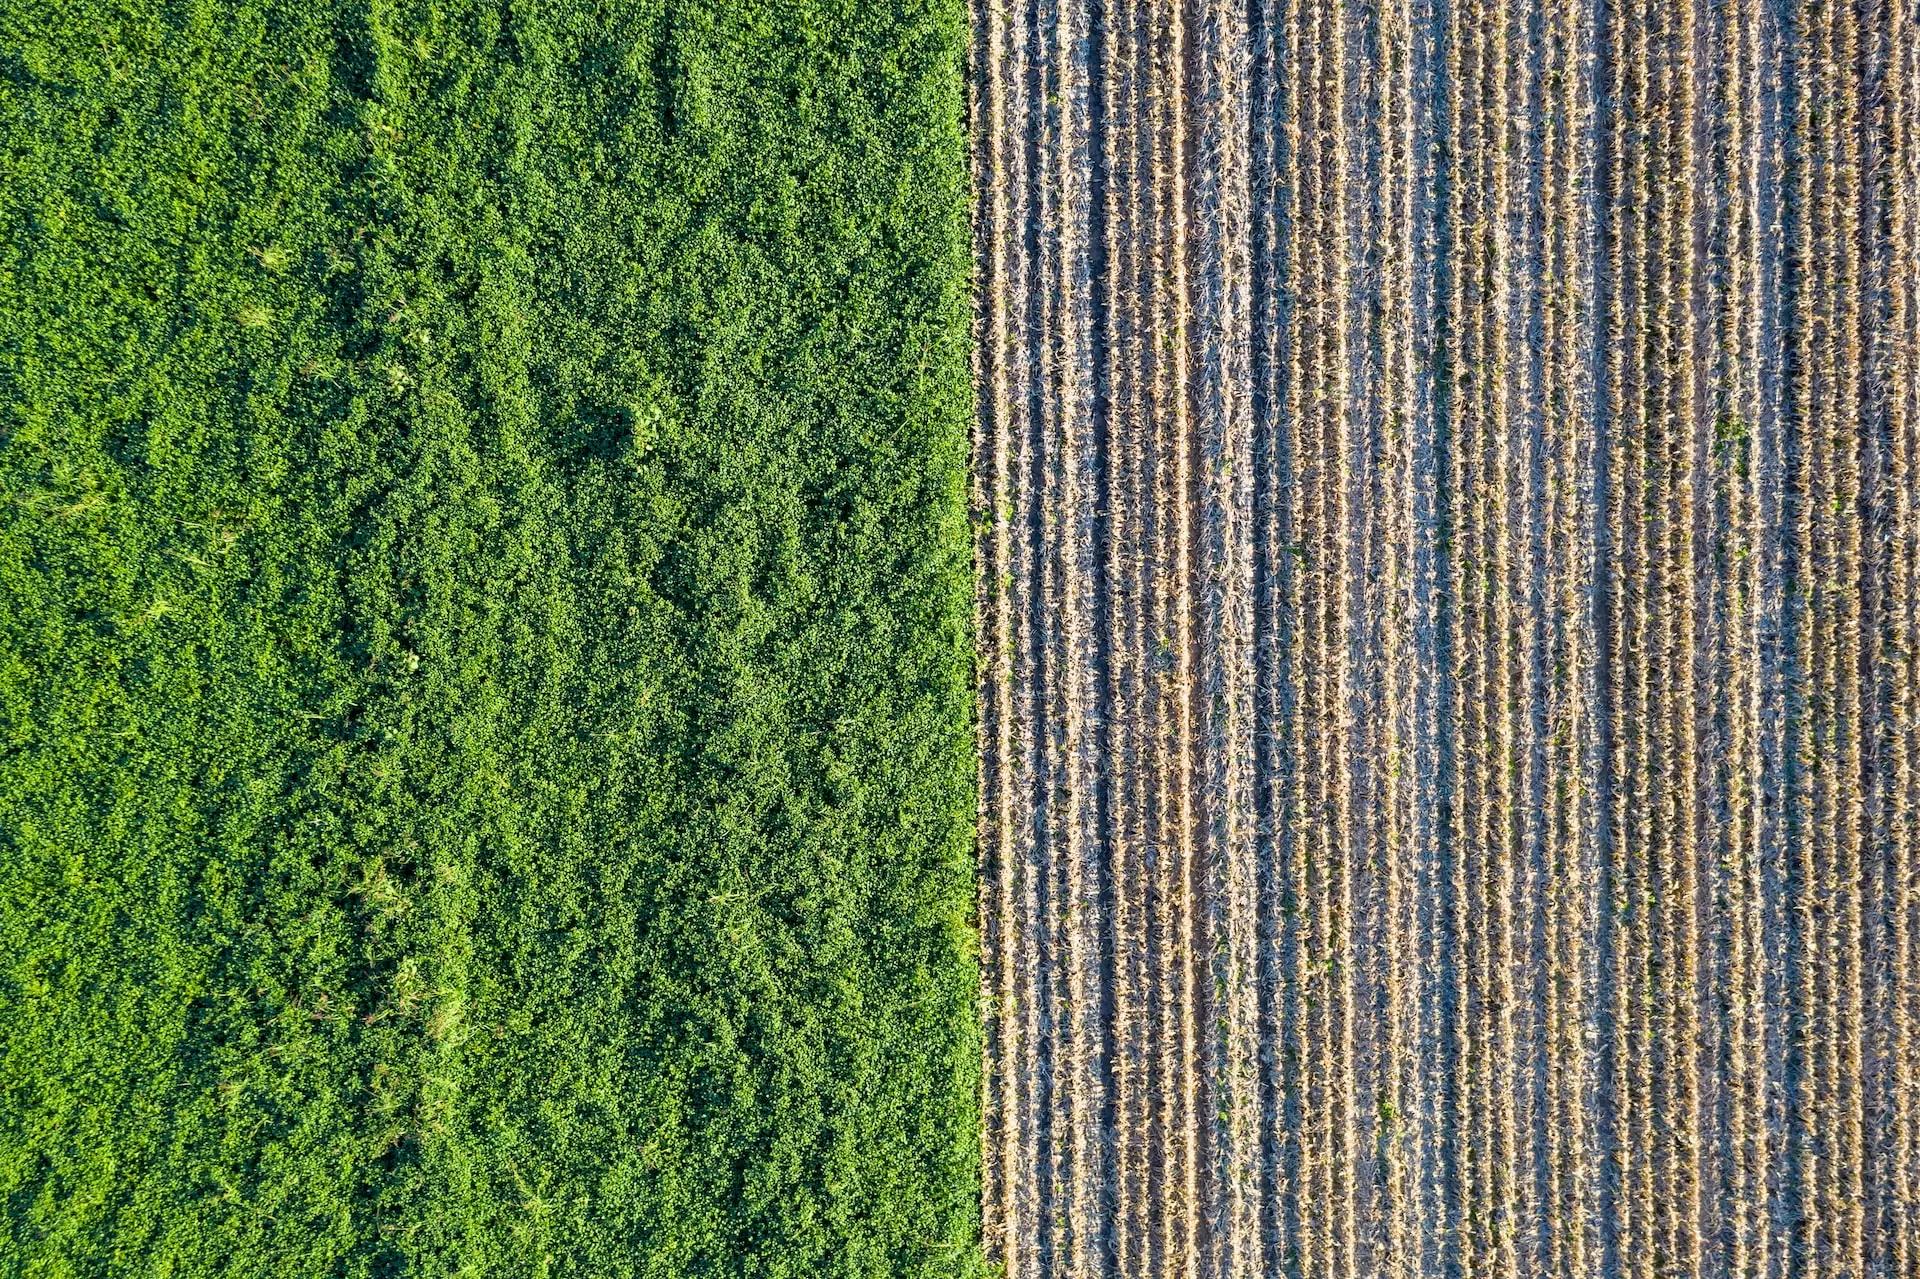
485	753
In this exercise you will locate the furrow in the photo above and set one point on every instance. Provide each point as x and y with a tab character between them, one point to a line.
1775	471
1804	834
1120	93
1301	426
1270	532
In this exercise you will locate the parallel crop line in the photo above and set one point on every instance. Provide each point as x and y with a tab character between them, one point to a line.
1020	1002
1564	1213
1399	1227
1172	1194
1055	768
1737	410
1081	1073
1507	484
1158	496
1226	1154
1058	418
1463	1138
995	572
1900	665
1270	534
1130	181
1849	407
1219	196
1680	819
1331	567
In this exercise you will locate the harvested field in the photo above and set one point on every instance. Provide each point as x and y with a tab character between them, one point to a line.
1447	546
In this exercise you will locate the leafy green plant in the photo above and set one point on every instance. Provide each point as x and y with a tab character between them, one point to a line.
485	765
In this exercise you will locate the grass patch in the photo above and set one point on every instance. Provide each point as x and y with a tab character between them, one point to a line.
485	769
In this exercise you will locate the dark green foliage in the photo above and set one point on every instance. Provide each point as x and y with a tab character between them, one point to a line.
483	639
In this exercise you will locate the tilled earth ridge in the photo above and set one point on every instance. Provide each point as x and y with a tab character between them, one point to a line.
1446	495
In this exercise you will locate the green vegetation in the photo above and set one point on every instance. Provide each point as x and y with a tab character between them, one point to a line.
484	647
